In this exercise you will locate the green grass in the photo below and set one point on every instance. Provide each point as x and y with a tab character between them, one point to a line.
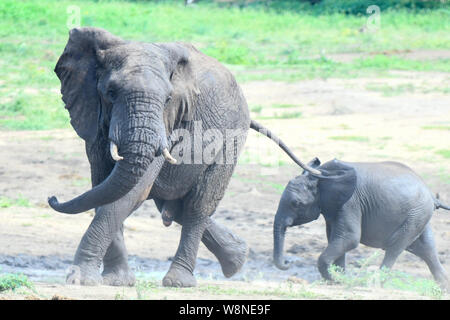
277	110
384	278
145	287
256	109
395	90
415	148
33	112
279	188
444	152
281	115
261	159
351	7
12	281
436	127
390	91
444	175
81	182
6	202
349	138
288	293
284	106
257	42
344	126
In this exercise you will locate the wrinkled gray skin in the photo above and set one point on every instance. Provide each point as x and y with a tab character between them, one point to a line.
382	205
137	95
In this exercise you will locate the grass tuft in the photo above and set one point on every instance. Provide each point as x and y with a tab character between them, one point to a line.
444	152
384	278
144	286
349	138
436	127
12	281
6	202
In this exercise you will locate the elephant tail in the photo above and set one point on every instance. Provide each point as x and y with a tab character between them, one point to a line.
438	204
261	129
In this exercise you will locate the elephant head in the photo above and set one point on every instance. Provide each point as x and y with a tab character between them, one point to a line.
129	93
308	195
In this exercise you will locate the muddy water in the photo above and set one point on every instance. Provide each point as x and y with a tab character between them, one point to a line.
258	267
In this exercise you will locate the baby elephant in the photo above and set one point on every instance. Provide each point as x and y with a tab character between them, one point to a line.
382	205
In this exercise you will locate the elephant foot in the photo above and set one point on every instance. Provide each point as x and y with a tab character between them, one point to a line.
444	285
118	276
179	277
84	276
233	258
230	250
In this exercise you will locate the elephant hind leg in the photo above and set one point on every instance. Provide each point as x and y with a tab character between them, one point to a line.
403	237
425	249
229	249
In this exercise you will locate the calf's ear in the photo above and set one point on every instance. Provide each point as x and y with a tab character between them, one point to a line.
336	186
314	163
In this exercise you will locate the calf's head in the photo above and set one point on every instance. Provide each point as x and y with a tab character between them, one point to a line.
307	195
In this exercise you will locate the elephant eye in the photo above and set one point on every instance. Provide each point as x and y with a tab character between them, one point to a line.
113	88
169	97
296	203
112	94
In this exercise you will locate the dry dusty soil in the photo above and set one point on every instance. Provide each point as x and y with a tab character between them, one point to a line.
403	117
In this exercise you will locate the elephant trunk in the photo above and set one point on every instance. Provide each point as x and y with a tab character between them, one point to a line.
279	231
143	138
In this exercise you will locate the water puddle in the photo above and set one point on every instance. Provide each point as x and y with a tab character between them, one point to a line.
258	267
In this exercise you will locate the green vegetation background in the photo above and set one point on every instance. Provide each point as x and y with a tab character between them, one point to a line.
281	40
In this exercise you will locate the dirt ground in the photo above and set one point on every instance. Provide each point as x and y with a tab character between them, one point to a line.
403	117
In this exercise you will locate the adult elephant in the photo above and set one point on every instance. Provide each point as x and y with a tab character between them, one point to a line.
133	103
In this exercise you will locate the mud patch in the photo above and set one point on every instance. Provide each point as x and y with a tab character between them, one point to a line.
52	269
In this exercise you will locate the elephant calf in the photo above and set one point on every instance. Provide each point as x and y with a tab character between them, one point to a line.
382	205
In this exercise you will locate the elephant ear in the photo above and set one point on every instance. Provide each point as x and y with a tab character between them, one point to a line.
77	71
336	186
314	163
181	106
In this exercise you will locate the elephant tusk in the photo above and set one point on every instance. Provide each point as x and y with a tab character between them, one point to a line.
168	156
114	152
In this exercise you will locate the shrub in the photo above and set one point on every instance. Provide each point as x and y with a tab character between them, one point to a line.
11	281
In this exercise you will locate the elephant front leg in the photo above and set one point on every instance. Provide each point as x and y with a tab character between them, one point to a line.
198	205
116	271
94	245
342	237
229	249
104	236
340	262
104	240
181	271
88	257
